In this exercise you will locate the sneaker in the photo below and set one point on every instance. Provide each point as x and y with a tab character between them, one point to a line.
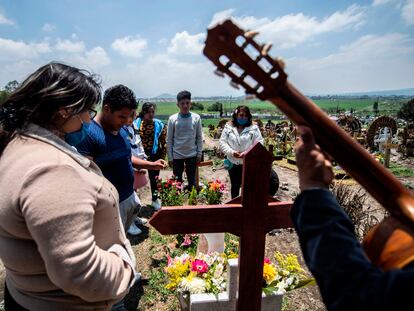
156	204
140	221
134	230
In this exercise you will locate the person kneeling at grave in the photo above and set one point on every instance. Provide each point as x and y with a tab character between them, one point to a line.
347	279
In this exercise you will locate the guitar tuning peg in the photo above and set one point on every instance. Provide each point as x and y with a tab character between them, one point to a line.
219	73
235	85
251	34
250	96
281	62
266	49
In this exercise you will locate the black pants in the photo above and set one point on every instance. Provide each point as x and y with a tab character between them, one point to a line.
235	174
153	177
9	303
190	170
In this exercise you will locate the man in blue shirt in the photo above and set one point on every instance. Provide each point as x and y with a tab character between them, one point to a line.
347	279
107	144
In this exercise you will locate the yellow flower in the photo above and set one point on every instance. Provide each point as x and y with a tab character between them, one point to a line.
288	262
269	273
176	272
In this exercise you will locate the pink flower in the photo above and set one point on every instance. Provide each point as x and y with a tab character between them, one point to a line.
267	260
199	266
187	240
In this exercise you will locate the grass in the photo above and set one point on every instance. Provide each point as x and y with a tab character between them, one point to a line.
401	171
257	106
155	290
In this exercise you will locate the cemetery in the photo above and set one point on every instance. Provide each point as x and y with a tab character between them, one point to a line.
205	249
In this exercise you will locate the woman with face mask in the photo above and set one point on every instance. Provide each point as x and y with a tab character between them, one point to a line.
238	135
62	241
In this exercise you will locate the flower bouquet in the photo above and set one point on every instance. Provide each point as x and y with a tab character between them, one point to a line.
204	273
170	192
212	192
204	277
284	274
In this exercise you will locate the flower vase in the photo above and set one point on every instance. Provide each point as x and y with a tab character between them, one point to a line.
215	242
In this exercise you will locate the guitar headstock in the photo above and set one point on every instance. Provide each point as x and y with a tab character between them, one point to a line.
246	62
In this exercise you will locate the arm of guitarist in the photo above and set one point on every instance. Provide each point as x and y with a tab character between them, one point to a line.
346	278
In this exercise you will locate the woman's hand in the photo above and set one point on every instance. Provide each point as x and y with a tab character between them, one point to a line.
237	154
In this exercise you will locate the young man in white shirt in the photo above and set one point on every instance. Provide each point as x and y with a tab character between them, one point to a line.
184	140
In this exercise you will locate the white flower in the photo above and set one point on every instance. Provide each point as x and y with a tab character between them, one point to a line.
194	285
218	271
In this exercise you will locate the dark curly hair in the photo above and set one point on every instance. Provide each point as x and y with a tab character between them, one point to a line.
118	97
236	112
145	108
43	93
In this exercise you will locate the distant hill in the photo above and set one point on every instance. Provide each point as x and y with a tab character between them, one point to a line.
165	96
400	92
408	92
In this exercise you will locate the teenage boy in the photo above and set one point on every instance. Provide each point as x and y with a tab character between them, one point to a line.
184	140
107	144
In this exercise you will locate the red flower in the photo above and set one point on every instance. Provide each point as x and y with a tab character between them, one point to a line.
199	266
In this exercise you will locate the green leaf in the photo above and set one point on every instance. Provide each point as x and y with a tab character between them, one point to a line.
269	290
307	282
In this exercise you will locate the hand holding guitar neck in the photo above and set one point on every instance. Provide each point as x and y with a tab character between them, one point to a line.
236	54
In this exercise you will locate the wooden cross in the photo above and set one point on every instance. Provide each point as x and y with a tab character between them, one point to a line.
250	217
387	154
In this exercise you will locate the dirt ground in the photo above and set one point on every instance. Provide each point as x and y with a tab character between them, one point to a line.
285	241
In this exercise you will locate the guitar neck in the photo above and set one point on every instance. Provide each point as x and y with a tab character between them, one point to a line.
352	157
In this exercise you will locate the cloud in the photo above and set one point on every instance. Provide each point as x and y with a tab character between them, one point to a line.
130	46
380	2
372	62
221	16
18	58
171	75
97	57
407	12
48	27
94	59
294	29
69	46
5	21
185	44
14	50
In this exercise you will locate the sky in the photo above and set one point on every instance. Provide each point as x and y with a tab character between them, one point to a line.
155	47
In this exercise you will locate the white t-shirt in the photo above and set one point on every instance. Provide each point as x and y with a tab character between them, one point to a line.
137	148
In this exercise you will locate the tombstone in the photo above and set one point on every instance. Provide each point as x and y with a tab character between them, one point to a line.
227	300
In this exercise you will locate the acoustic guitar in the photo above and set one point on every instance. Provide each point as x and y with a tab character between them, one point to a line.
236	54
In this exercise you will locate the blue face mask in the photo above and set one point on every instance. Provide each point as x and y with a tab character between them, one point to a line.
242	121
75	138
